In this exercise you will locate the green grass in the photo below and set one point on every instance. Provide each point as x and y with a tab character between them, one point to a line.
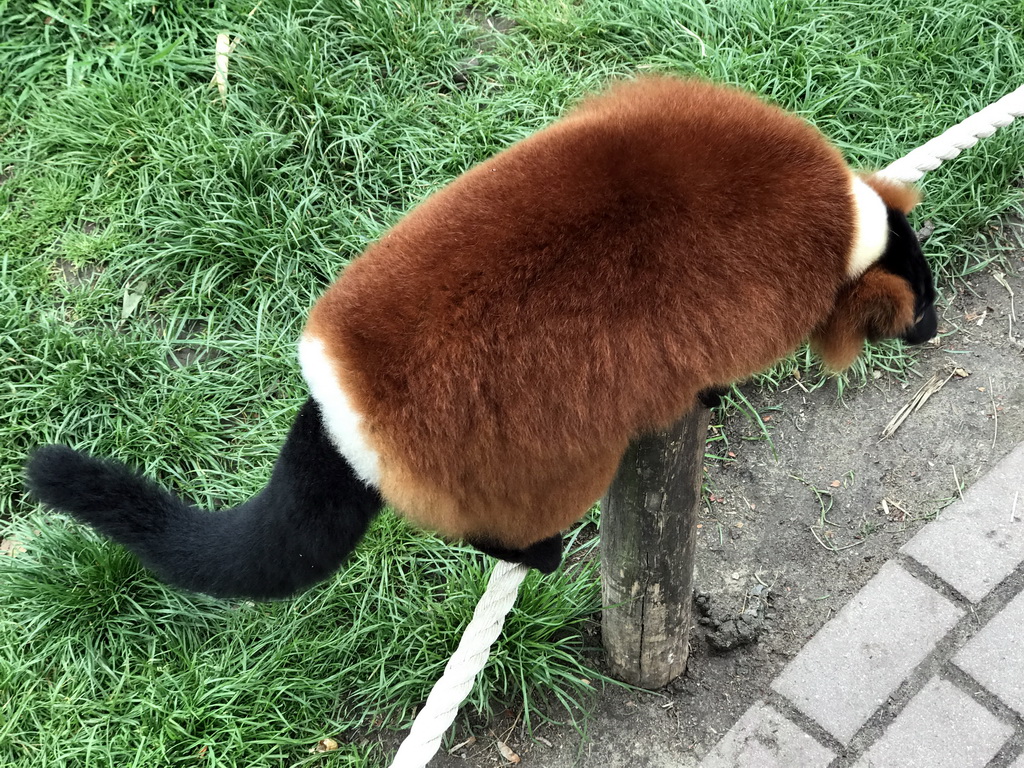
101	664
121	166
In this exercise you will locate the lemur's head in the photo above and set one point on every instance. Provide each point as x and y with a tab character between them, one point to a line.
893	298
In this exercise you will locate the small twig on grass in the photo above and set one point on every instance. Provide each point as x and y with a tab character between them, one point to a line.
225	46
220	64
467	743
959	488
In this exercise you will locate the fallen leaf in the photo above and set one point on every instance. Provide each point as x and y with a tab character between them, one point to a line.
132	297
835	483
507	753
324	745
11	547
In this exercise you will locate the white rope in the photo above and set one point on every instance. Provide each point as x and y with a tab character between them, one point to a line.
469	658
951	143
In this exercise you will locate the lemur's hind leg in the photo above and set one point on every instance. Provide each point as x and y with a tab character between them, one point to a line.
545	555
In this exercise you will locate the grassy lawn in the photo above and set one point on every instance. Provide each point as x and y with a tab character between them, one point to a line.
159	248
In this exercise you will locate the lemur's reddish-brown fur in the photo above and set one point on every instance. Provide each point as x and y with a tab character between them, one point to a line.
509	336
893	193
877	306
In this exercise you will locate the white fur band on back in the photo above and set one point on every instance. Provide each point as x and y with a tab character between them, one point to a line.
342	422
871	228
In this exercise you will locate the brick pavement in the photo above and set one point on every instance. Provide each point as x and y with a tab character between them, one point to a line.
923	667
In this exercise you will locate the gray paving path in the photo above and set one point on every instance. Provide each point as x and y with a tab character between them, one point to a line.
923	667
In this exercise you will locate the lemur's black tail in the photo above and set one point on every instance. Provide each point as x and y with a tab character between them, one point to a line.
295	532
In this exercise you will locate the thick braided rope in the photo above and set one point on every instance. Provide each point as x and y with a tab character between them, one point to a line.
469	658
951	143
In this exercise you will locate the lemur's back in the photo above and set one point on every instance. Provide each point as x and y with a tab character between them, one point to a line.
503	342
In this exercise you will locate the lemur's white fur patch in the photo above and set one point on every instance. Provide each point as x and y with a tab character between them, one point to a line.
871	228
343	422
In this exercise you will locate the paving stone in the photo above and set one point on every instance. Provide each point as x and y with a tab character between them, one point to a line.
941	727
975	543
995	656
763	738
859	657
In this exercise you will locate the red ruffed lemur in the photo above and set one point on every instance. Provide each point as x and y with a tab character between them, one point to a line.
484	365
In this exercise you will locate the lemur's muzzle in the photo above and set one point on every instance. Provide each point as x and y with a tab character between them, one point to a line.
924	327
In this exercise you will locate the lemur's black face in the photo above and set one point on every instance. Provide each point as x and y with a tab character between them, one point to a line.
903	257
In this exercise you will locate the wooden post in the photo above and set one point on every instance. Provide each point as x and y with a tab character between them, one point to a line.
648	536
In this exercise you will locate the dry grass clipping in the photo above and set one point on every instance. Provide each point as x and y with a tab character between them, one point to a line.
933	385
